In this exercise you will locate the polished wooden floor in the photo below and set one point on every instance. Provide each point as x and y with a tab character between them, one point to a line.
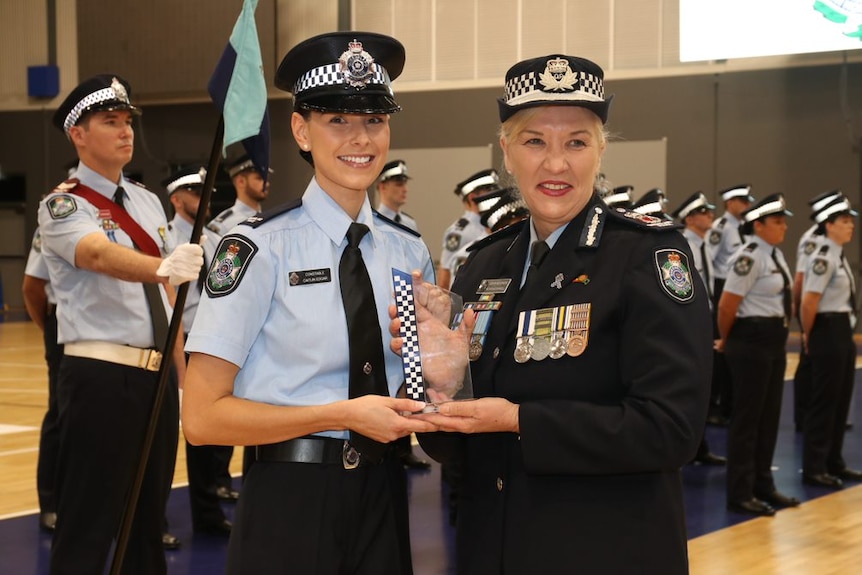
823	536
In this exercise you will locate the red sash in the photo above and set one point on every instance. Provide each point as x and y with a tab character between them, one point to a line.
142	240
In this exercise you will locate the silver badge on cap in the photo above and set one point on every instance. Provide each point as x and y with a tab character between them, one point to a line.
558	75
356	65
119	90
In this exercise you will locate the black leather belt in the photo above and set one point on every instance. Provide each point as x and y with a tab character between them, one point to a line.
321	450
763	320
834	314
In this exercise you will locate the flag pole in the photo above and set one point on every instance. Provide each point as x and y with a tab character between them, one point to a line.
167	357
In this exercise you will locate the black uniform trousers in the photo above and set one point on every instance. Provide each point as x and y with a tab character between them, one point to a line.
757	356
322	519
721	388
49	437
104	412
801	388
832	353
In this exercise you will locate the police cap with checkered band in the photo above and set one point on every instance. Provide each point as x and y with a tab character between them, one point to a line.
101	93
555	80
480	181
346	72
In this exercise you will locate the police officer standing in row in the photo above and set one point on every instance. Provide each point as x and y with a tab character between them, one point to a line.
468	228
203	462
104	241
725	239
697	214
828	317
753	315
392	193
251	190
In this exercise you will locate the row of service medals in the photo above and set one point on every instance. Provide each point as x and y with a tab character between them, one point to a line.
552	332
549	332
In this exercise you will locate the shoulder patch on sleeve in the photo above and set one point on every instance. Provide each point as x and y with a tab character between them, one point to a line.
644	221
258	220
61	206
453	241
715	237
820	266
233	255
674	274
742	266
808	247
410	231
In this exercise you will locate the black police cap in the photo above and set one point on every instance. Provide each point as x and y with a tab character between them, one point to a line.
348	72
652	203
239	164
621	196
100	93
695	201
191	176
838	205
499	206
742	191
479	181
396	169
769	206
555	80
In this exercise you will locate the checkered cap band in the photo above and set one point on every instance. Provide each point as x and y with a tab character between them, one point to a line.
97	97
509	208
526	88
837	208
331	75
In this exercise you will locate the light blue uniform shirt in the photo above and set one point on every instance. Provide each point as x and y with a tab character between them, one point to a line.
222	223
400	217
93	306
180	232
754	275
290	341
463	232
807	244
829	274
37	268
701	265
724	240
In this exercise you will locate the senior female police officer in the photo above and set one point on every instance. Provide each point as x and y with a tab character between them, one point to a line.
594	374
753	313
273	361
828	316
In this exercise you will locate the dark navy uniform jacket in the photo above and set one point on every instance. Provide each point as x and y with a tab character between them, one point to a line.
592	483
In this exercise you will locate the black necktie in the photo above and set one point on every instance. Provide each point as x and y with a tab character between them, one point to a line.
367	368
119	198
158	317
846	265
786	296
705	263
538	251
397	218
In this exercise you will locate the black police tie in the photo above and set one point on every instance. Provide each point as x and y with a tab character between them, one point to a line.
158	317
846	265
397	218
538	251
786	296
705	263
367	368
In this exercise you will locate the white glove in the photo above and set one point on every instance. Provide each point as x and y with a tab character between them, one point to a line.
183	264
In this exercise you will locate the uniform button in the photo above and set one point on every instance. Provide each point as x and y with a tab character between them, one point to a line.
499	484
496	352
366	369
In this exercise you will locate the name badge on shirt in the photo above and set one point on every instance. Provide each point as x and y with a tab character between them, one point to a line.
305	277
494	286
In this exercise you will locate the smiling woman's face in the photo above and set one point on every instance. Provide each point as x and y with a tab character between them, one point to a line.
554	154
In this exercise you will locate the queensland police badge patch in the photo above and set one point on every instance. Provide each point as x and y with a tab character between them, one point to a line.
234	253
674	274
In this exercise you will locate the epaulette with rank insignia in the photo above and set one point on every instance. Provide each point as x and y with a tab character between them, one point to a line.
720	224
509	230
750	247
824	249
396	224
462	223
258	220
644	221
66	186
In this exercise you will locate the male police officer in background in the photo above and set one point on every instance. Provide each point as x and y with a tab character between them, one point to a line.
468	228
203	462
251	191
392	193
105	260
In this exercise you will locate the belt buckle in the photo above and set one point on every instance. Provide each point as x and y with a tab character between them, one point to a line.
151	359
349	456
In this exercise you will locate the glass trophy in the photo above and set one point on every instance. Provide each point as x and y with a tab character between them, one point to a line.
435	356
